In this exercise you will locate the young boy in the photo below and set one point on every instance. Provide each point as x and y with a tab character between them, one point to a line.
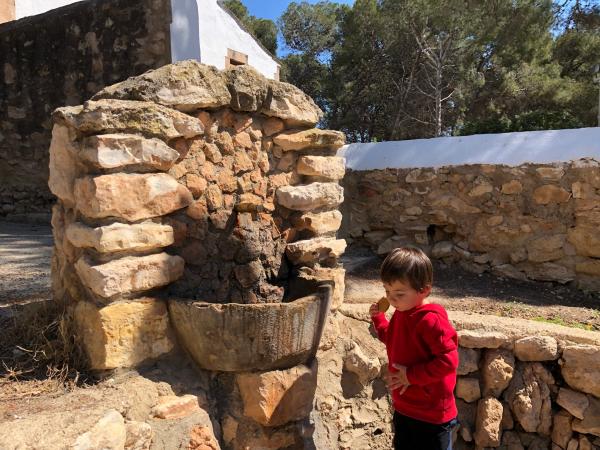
422	353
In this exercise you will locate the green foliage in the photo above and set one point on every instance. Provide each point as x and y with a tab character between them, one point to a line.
311	28
529	121
405	69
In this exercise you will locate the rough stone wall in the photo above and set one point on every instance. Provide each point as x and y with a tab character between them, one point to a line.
520	385
534	221
62	58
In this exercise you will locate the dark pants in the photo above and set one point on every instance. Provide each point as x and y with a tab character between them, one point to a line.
413	434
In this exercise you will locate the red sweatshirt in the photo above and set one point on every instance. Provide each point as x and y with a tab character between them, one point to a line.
423	340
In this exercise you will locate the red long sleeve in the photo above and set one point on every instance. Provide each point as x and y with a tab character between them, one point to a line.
423	340
381	325
442	341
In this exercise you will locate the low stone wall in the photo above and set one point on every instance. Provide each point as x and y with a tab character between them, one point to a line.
533	221
185	190
521	384
60	58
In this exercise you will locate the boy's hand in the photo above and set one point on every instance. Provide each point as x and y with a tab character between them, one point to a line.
397	379
374	309
381	306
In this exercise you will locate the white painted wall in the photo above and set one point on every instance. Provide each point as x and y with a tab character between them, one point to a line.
25	8
507	148
219	31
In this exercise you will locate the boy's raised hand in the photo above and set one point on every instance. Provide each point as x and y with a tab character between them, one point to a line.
380	307
374	309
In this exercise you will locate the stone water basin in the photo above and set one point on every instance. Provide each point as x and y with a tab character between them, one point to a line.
235	337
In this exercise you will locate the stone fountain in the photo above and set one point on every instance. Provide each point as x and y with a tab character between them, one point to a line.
197	209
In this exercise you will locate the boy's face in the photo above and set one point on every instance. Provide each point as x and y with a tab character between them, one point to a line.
403	296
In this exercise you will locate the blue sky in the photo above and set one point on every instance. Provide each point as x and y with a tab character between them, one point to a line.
272	9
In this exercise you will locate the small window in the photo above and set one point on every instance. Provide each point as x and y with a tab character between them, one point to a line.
234	58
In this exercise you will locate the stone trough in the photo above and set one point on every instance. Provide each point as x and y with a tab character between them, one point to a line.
236	337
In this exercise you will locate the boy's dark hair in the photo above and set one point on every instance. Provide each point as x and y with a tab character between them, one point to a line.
408	264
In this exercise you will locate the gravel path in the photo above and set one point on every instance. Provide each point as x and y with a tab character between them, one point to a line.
25	253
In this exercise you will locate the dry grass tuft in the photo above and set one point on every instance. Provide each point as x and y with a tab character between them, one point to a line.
38	353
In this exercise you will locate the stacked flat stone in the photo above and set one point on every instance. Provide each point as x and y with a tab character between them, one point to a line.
533	221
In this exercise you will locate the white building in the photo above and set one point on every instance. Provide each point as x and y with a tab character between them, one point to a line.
200	29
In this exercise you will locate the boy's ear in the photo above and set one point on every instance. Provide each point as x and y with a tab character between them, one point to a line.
426	290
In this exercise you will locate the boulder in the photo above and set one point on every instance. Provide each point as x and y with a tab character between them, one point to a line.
289	103
330	167
123	334
497	370
314	138
548	271
129	274
550	193
108	434
125	116
547	248
111	151
453	203
550	173
590	267
482	339
312	251
586	240
273	126
120	237
468	360
319	223
468	389
202	438
536	348
529	397
130	196
365	368
64	166
591	419
481	189
249	89
138	435
311	196
512	187
185	85
310	277
442	249
562	431
488	423
574	402
581	368
390	244
277	397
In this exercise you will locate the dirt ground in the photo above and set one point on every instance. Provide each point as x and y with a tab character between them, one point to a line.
457	289
25	252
